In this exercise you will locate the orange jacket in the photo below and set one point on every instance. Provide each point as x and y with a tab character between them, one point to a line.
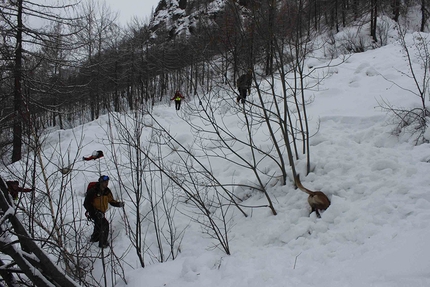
97	200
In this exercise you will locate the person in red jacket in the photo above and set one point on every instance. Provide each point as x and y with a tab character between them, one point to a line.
13	188
178	98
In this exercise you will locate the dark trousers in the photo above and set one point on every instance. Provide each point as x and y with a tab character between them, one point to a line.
242	95
101	231
177	105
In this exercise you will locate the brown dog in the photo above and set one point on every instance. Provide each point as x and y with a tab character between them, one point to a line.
317	199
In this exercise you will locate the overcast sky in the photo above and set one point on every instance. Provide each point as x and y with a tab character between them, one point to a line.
127	9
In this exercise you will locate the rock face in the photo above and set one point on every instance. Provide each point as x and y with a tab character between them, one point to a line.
174	18
182	4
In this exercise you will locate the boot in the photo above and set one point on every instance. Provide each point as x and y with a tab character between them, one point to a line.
103	245
94	238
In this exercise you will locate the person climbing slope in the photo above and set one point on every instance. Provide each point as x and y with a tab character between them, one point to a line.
244	85
178	98
96	202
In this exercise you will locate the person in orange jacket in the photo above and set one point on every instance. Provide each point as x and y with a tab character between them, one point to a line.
178	98
96	203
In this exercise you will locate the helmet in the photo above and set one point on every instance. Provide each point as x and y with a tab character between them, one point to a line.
103	178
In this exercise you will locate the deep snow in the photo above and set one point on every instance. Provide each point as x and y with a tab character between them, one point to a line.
375	231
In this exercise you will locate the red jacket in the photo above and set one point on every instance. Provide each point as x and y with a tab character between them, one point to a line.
177	97
13	188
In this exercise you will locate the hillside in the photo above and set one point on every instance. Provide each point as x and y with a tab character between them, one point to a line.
373	234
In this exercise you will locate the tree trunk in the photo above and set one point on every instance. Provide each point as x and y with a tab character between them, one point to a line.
17	125
396	10
423	15
373	18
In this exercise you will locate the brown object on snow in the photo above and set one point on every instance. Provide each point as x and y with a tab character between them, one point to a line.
317	199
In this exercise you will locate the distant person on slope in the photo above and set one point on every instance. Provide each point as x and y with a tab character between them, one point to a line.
96	203
178	98
244	85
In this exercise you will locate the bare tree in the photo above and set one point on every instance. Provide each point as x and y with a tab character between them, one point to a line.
413	121
424	14
191	175
93	31
24	38
140	169
26	255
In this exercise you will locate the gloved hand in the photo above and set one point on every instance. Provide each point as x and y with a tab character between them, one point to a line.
120	204
100	215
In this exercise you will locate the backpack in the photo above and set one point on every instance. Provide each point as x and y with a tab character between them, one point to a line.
244	81
90	185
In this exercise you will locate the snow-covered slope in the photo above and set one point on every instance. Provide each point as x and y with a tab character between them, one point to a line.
373	234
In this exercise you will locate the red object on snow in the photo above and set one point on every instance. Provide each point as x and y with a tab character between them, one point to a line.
95	155
13	188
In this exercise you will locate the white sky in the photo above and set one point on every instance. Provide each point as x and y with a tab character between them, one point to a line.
130	8
127	9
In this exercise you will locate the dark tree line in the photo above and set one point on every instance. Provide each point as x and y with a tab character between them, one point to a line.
31	59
